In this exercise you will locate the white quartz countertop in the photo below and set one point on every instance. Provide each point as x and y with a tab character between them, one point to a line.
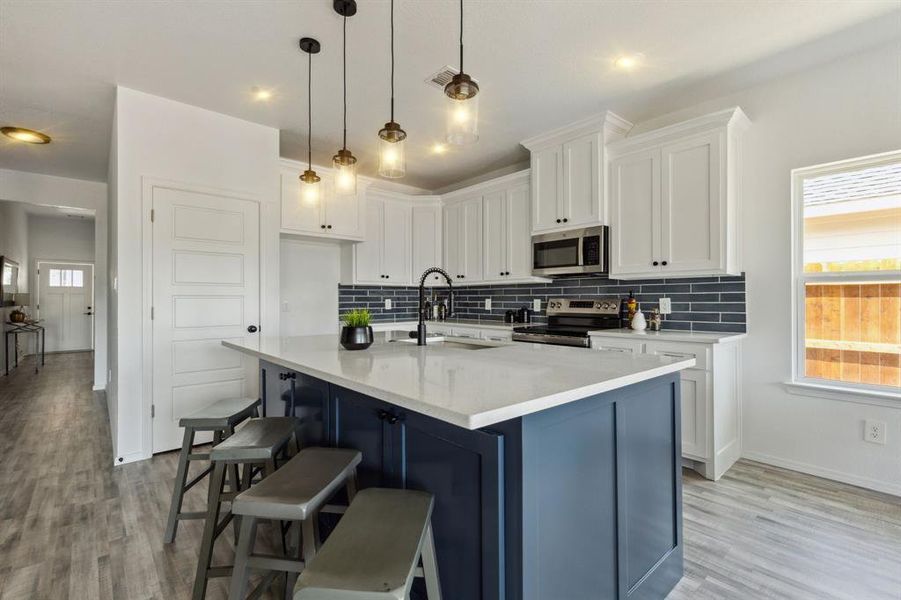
699	337
464	387
411	325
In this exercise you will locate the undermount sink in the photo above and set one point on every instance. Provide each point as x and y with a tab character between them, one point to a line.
461	345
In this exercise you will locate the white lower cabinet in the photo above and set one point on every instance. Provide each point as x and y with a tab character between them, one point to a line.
711	398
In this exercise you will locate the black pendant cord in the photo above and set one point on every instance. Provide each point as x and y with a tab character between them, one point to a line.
392	61
310	112
345	82
461	36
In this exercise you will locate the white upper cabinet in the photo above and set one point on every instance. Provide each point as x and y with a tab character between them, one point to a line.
335	216
494	243
568	167
384	258
506	245
463	240
674	198
427	239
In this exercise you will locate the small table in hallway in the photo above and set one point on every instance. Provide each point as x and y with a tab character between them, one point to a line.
15	329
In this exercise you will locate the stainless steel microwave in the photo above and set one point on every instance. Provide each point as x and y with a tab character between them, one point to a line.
573	252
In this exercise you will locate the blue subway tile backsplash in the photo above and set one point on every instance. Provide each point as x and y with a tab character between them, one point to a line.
699	303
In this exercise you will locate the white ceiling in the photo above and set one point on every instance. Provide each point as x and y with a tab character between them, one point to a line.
541	64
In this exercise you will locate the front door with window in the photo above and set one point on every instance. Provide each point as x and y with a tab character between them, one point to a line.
206	288
66	305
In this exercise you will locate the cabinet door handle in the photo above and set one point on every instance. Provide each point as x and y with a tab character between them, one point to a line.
507	273
559	221
387	276
565	220
663	263
323	226
388	417
329	226
655	263
252	328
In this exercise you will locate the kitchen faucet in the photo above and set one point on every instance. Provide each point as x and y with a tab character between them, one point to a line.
420	329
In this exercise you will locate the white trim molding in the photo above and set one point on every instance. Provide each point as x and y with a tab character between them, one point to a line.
841	476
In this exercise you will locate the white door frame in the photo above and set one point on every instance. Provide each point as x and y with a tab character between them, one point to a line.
148	184
37	288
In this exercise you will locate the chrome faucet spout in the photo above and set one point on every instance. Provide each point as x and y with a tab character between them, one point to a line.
420	328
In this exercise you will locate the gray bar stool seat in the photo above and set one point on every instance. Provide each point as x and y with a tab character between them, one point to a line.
258	444
374	552
220	418
296	492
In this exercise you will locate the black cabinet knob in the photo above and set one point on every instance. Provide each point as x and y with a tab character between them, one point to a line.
558	220
506	272
663	263
388	417
252	328
565	220
387	276
655	263
501	273
323	226
329	226
287	375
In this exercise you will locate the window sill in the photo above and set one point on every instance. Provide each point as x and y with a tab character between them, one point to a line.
844	394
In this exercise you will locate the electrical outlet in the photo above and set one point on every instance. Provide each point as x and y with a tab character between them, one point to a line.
285	307
874	431
487	303
387	303
536	305
666	306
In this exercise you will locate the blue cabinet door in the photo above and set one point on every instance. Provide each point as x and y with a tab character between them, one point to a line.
368	425
287	392
464	470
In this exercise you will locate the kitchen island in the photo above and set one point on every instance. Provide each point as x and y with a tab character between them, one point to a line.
556	470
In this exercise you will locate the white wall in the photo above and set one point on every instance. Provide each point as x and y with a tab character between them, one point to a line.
842	110
310	272
59	238
161	139
14	246
33	188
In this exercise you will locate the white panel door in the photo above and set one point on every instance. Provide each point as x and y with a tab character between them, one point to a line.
472	240
342	214
453	251
547	188
635	214
297	215
581	193
494	242
519	239
206	288
396	243
426	241
66	306
368	253
691	201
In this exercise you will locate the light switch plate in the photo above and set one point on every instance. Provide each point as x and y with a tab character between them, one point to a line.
487	303
536	304
666	306
387	303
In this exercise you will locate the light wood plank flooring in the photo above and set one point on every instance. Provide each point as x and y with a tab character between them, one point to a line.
72	526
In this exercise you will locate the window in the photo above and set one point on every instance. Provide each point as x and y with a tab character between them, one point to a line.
66	278
847	274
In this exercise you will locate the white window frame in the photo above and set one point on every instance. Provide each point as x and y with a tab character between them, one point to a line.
800	278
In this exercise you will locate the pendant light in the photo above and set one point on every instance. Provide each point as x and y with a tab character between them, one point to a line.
344	162
309	180
392	160
463	103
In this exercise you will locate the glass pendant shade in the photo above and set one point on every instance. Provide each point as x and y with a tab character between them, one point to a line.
310	189
462	110
392	156
345	165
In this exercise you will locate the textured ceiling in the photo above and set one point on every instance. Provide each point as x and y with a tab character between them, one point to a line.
541	64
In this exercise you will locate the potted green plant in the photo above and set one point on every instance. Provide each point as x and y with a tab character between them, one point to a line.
356	333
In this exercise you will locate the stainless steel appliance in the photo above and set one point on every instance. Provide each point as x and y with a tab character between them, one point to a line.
569	321
573	252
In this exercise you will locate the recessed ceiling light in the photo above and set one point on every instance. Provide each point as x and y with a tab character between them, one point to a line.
439	148
627	62
261	94
20	134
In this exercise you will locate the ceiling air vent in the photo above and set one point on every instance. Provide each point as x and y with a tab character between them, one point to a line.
442	77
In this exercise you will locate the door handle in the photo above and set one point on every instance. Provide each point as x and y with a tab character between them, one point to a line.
89	313
252	328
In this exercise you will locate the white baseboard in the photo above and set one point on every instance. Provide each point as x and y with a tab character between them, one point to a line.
129	458
99	388
864	482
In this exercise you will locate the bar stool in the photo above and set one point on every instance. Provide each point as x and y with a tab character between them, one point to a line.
374	552
296	492
256	445
220	418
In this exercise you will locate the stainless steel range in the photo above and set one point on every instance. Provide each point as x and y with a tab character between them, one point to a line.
569	321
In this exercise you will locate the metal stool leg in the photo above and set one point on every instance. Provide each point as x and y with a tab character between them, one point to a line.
178	490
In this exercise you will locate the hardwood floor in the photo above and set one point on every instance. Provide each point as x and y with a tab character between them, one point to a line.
72	526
